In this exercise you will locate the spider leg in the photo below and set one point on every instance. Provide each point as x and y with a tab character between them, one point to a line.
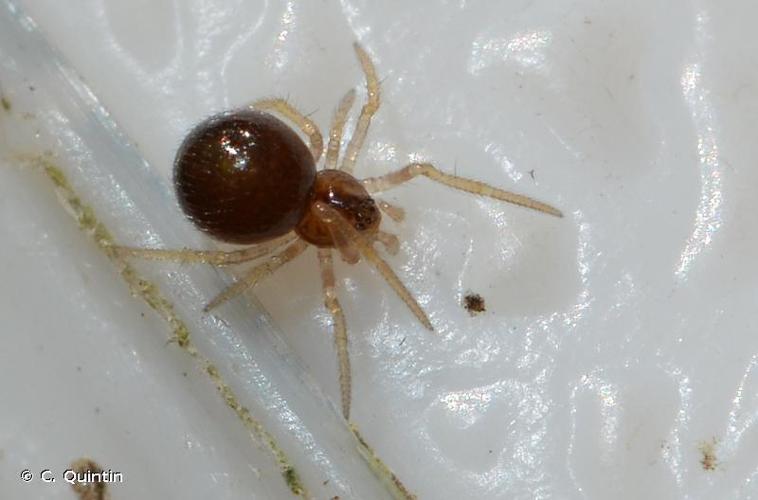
388	181
333	219
303	122
251	277
389	240
368	110
394	212
341	237
338	126
340	329
212	257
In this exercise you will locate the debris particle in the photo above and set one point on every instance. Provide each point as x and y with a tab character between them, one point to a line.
708	451
6	103
473	303
93	490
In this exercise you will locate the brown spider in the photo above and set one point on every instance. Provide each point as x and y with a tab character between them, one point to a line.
244	177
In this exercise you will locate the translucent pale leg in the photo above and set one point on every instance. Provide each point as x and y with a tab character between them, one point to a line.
340	329
258	272
337	224
342	238
368	110
395	213
390	242
385	182
338	126
304	123
213	257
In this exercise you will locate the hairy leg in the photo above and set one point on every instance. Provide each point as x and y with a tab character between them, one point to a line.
389	240
303	123
385	182
341	237
395	213
212	257
337	224
338	126
368	110
258	272
340	329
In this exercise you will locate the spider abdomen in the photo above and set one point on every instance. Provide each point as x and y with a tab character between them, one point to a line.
244	176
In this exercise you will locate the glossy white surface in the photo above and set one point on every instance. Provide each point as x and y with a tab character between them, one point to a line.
617	340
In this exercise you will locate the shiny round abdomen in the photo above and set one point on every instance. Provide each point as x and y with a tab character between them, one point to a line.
244	177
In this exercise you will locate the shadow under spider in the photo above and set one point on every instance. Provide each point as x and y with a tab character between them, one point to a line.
337	211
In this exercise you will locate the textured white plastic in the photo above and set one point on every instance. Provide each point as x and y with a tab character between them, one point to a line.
617	355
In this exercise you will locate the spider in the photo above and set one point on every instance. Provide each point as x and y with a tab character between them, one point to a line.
245	177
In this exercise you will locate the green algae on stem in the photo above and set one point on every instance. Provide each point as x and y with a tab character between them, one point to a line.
151	295
393	484
290	475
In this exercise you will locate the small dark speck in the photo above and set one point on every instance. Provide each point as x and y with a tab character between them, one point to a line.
6	103
79	368
473	303
142	314
325	482
32	88
97	410
490	451
184	374
531	174
402	341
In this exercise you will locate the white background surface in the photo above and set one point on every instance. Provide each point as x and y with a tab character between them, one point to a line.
617	340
